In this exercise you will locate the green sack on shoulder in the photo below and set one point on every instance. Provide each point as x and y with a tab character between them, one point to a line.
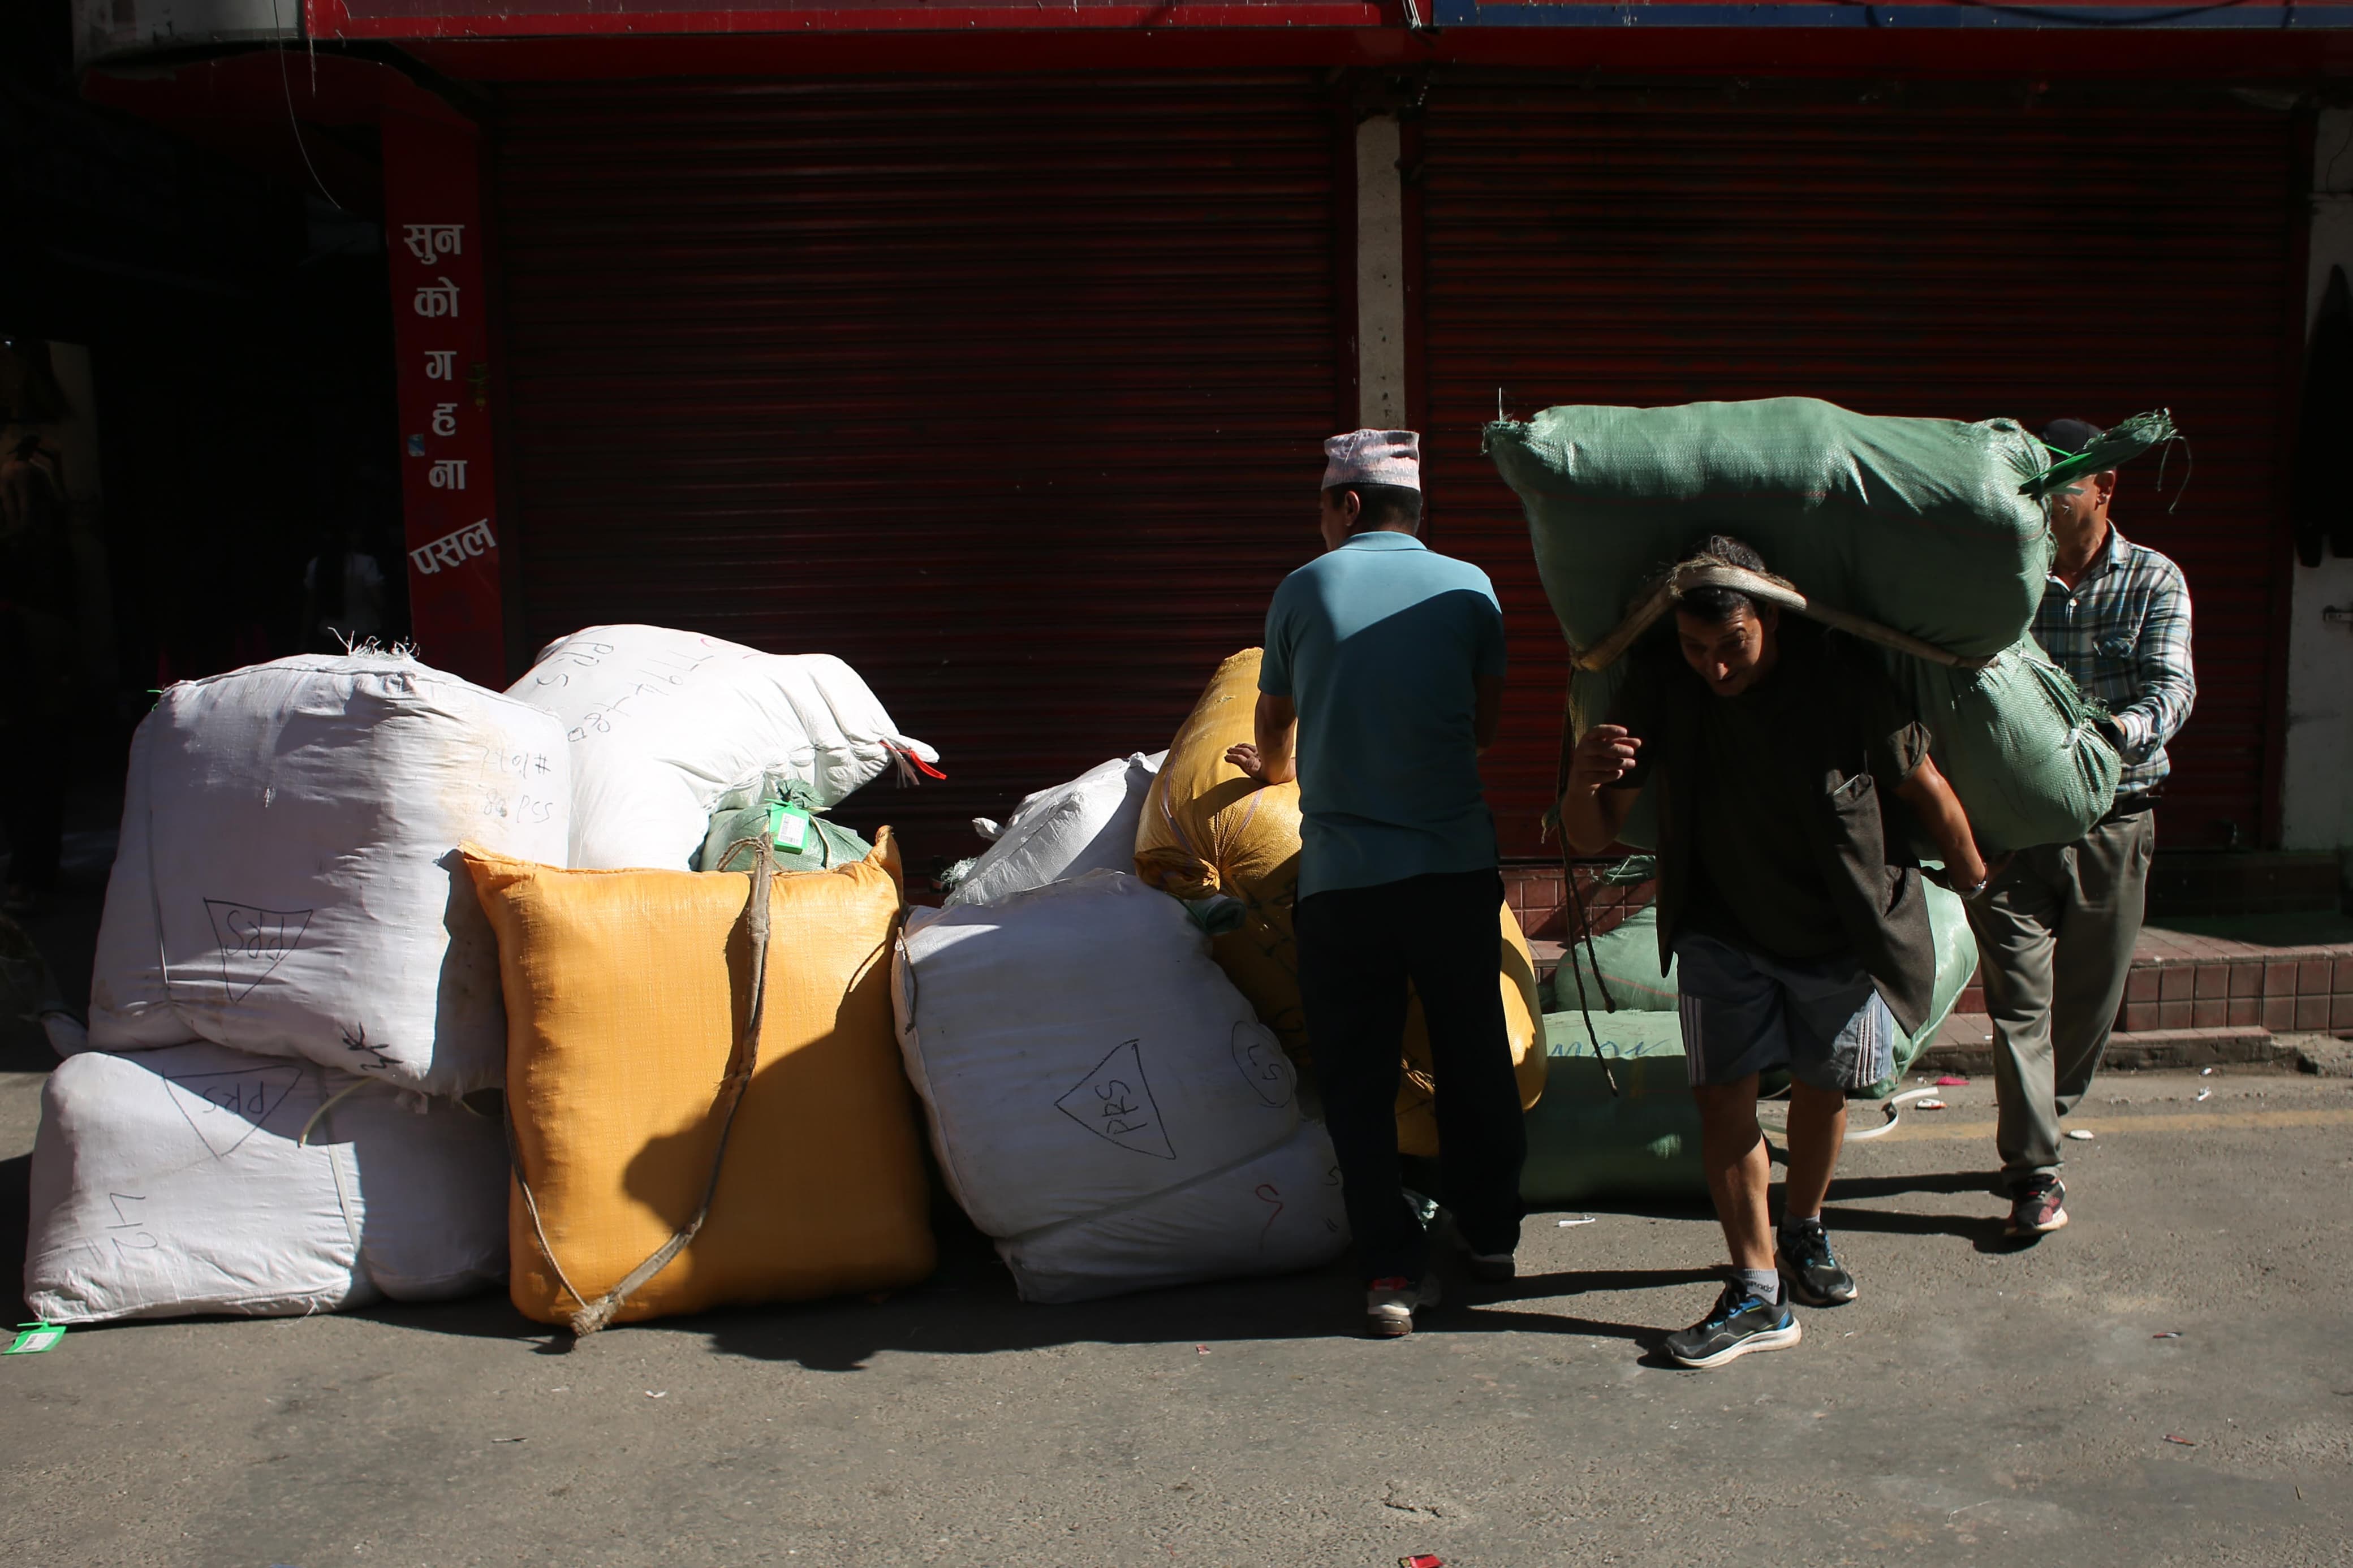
1931	527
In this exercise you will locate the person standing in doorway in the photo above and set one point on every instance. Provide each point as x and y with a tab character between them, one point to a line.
342	594
2056	935
1779	751
1382	682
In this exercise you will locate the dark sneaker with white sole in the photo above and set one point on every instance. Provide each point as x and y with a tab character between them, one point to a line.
1740	1323
1390	1304
1813	1275
1491	1267
2038	1208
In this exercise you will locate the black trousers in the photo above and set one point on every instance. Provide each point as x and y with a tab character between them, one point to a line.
1358	949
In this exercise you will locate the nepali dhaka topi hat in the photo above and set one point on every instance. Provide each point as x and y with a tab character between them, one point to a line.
1373	457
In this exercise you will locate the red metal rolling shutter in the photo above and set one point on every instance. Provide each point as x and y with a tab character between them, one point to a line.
1008	392
1935	251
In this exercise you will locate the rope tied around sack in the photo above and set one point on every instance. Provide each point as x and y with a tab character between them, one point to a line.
742	1061
1583	928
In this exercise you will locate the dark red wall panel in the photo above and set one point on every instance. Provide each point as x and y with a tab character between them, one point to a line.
1963	252
1009	391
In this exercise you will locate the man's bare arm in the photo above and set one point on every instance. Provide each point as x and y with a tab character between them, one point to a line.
1591	811
1275	725
1940	812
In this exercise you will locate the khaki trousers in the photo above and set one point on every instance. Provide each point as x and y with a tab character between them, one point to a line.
2055	936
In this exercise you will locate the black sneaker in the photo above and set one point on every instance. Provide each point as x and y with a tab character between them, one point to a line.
2038	1208
1489	1268
1814	1277
1740	1323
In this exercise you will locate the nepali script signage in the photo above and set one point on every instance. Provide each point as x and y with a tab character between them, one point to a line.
441	338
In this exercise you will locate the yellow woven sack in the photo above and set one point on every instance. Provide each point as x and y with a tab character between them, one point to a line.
1208	828
628	1004
1523	1021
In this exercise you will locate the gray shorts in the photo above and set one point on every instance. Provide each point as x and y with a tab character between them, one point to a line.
1745	1012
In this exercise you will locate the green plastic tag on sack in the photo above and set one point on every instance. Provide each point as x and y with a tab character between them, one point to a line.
32	1338
788	827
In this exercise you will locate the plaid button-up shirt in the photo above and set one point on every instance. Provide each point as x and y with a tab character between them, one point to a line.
2122	633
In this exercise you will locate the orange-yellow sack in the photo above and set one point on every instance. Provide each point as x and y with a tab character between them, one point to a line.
624	992
1209	829
1523	1021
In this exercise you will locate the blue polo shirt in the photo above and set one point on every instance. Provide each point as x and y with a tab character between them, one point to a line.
1377	644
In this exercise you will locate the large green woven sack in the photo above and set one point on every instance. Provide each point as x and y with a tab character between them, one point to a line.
1629	979
1922	525
2015	742
1918	524
1584	1141
1629	962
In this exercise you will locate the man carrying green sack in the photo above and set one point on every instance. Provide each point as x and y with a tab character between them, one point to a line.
2056	933
1786	896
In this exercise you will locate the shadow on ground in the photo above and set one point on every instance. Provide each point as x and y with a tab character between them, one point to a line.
969	1306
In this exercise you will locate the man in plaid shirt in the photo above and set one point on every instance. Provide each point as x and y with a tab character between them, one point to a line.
2055	932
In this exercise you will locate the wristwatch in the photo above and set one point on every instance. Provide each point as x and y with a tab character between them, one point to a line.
1965	894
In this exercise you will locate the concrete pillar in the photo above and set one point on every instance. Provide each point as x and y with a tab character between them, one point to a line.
2318	786
1380	276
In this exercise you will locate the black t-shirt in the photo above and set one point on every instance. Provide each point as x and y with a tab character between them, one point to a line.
1757	877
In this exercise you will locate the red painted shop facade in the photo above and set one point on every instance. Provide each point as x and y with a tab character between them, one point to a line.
990	347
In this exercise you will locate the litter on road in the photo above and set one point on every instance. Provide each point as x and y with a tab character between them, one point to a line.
32	1338
2080	1134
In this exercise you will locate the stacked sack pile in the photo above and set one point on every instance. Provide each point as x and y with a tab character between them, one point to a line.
293	987
1930	528
341	912
1210	834
1102	1099
703	1082
1104	1025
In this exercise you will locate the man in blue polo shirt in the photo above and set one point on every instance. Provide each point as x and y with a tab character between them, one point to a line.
1382	682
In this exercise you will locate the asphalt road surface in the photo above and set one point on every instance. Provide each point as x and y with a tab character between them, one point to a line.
1979	1404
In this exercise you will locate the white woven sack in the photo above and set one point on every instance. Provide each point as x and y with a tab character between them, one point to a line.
174	1182
661	723
286	881
1280	1211
1086	825
1082	1058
